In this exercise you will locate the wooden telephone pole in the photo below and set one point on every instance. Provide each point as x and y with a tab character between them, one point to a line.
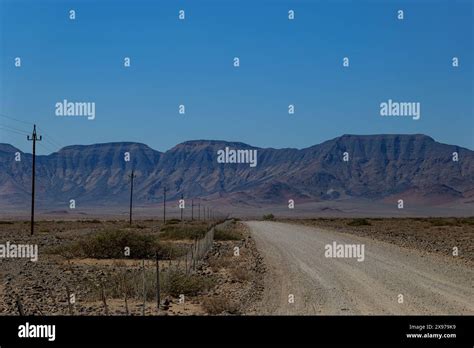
164	204
34	138
131	176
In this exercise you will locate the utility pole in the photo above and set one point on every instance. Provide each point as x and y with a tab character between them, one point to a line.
34	138
182	197
131	176
164	204
199	211
192	209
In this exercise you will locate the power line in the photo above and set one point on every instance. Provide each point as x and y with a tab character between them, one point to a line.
15	119
44	146
52	141
9	130
15	129
52	145
47	147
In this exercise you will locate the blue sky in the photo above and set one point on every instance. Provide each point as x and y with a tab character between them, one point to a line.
191	62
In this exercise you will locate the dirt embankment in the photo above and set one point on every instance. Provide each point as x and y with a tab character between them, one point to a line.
238	268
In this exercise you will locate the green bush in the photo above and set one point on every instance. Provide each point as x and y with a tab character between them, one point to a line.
93	221
359	222
111	244
219	305
173	282
438	222
467	221
229	232
268	217
177	282
184	231
173	222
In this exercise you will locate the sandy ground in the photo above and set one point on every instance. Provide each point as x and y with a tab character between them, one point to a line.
296	265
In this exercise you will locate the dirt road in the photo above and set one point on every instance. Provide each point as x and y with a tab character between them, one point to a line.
296	262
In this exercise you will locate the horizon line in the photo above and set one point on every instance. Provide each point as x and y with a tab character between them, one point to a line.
240	142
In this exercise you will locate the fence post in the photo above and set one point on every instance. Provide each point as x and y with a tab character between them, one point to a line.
68	293
126	303
106	310
19	306
158	300
186	262
144	288
198	251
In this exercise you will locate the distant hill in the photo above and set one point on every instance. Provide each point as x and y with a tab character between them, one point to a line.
379	167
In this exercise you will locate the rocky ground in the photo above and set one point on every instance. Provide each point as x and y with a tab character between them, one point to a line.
428	235
220	284
239	275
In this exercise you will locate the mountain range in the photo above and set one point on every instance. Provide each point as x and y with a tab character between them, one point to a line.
377	168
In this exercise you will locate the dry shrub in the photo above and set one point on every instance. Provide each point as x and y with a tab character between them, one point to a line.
217	263
129	281
228	232
111	244
240	274
359	222
184	231
178	282
220	305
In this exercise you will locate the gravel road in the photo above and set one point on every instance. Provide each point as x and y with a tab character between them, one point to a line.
296	265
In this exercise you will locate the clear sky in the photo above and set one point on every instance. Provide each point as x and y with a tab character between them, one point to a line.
190	62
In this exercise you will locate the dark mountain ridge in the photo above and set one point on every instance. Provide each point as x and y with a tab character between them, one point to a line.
378	167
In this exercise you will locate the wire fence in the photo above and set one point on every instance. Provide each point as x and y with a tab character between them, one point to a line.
198	250
151	279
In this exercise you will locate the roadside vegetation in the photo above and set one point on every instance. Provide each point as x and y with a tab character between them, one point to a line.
89	258
112	244
268	217
128	282
228	231
359	222
175	230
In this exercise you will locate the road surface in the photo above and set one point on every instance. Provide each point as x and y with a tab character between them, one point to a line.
390	280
